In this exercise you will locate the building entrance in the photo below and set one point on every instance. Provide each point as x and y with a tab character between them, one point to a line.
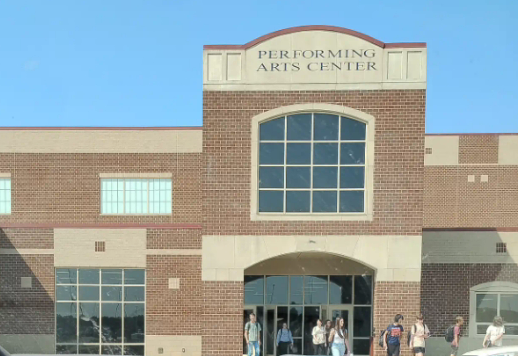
299	301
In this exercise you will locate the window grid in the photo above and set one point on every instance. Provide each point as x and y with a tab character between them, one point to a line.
311	189
136	196
5	195
498	294
100	302
501	247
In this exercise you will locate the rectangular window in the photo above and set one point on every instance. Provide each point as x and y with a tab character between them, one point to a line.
136	196
489	305
5	195
91	300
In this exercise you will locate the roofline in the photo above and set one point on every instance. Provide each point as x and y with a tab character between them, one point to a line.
319	28
473	134
22	225
481	229
57	128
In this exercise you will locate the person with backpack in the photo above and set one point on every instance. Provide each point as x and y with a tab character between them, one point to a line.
253	336
339	339
418	334
453	335
392	336
494	333
284	340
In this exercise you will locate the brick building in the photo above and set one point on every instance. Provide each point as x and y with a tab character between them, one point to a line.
310	191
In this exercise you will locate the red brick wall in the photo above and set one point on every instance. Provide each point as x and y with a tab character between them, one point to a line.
174	238
26	238
451	201
65	188
391	298
27	310
222	326
173	311
445	290
398	174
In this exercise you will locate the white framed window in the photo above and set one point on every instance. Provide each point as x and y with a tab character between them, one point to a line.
494	299
312	164
89	301
134	196
5	195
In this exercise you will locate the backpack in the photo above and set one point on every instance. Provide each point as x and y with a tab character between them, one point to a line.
381	341
448	335
409	335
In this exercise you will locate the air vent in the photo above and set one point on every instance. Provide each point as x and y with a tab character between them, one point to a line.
100	246
501	247
428	150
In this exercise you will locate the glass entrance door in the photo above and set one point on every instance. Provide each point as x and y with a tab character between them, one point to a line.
346	313
275	318
258	310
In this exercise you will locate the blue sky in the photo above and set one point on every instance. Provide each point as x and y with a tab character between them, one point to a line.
139	63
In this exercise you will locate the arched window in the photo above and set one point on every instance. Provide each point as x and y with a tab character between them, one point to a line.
312	163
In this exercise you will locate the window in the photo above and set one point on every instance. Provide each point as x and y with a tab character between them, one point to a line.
312	163
136	196
490	299
91	300
5	195
489	305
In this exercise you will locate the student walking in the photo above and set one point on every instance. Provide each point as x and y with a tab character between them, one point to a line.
392	340
253	336
319	335
419	333
456	335
284	340
494	333
328	328
339	339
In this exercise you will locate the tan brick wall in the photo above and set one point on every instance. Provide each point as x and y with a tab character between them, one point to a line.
391	298
451	201
26	238
174	238
65	188
398	174
27	310
173	311
222	325
478	149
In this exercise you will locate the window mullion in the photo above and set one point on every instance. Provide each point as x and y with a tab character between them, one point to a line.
285	193
123	311
77	310
311	164
100	311
498	304
123	195
148	196
339	151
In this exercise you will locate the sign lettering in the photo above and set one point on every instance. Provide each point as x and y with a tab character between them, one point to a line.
315	60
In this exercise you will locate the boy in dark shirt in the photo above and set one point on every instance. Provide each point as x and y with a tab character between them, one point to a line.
392	340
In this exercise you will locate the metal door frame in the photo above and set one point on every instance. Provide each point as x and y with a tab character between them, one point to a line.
350	321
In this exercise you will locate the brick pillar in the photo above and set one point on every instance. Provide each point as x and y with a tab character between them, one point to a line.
391	298
222	325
